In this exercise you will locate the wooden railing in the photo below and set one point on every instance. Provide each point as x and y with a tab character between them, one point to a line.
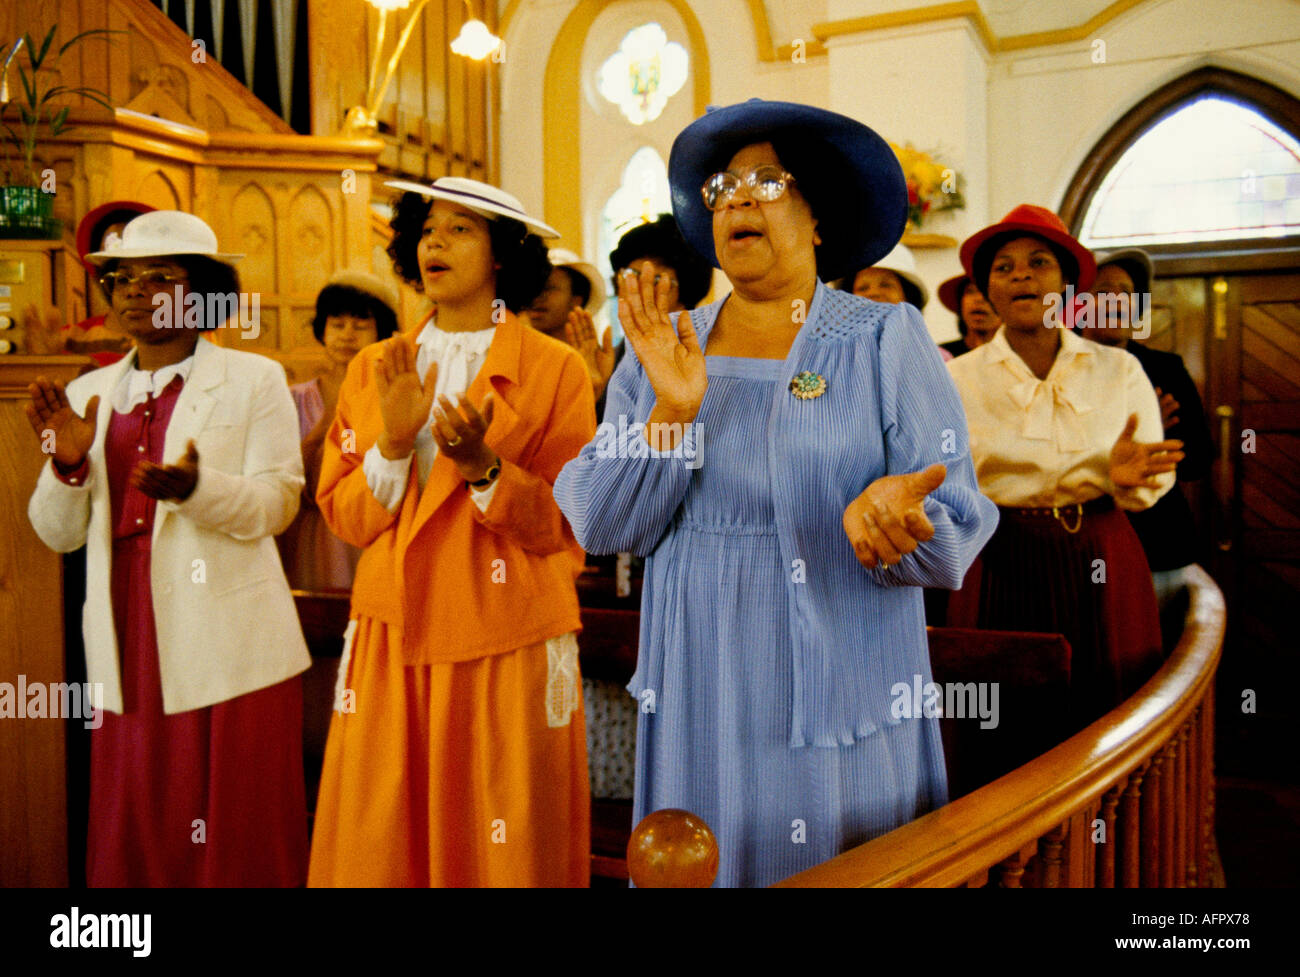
1126	802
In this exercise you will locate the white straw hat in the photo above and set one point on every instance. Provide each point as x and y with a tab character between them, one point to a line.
482	198
564	258
163	233
903	264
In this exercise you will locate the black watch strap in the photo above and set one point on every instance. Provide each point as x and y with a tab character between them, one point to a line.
493	471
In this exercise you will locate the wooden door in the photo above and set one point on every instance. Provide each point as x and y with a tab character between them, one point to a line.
1239	334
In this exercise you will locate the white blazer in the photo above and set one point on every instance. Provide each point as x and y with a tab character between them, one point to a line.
225	617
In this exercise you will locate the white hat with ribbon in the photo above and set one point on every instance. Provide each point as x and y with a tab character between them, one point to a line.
482	198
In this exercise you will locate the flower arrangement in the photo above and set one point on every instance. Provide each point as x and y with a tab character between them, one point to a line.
931	186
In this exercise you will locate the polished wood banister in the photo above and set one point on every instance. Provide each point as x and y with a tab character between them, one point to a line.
993	825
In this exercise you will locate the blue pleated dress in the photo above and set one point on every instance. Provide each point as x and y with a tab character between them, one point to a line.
714	618
768	655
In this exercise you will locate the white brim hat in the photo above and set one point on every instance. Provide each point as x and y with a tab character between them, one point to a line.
903	264
482	198
161	234
563	258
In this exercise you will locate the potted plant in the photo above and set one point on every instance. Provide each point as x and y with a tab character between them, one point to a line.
25	207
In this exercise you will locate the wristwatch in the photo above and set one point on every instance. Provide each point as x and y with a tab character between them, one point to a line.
493	471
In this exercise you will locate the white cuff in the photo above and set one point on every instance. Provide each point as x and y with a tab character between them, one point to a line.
386	477
483	496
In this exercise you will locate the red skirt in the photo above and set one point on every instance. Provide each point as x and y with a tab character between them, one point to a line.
1093	586
209	797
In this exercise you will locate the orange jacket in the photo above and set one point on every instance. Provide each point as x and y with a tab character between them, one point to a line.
462	583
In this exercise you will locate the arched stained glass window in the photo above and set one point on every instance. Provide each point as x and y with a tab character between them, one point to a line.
641	197
644	73
1213	170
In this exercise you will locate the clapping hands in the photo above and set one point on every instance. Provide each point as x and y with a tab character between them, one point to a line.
580	333
672	358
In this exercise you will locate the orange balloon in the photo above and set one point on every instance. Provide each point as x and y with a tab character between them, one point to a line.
672	849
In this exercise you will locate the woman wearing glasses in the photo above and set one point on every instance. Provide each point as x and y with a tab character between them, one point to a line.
793	487
176	467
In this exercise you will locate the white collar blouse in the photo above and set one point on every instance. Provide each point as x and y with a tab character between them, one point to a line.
1047	442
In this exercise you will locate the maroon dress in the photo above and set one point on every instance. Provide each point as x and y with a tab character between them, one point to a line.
208	797
1040	573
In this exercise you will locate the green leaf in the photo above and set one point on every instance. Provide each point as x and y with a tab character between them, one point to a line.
93	94
90	33
29	86
45	47
54	92
56	123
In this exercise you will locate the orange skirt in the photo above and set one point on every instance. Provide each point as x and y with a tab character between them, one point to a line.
450	775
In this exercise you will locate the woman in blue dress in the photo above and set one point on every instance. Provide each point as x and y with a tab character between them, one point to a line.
793	489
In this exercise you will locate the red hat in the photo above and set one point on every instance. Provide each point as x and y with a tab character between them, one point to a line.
1077	263
951	291
88	223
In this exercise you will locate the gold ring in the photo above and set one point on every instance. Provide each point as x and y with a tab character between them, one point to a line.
452	444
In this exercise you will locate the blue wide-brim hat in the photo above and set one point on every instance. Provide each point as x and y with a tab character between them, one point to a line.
850	163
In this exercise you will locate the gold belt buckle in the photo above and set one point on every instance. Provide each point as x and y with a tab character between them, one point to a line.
1078	522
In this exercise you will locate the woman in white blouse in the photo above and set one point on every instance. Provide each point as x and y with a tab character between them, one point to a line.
1065	433
457	755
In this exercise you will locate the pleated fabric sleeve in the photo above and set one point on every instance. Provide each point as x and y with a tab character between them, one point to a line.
924	423
889	407
620	494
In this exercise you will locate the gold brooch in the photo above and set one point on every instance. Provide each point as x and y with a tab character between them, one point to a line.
807	385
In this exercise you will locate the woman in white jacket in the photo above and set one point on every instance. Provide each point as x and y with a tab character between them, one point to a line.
191	636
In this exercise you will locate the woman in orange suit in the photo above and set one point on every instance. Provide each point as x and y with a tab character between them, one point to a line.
457	751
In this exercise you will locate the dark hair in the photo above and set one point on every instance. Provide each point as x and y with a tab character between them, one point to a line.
346	300
521	255
661	240
206	277
816	174
122	215
982	262
911	293
578	283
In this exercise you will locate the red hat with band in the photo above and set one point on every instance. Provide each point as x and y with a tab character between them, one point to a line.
951	291
95	218
1077	263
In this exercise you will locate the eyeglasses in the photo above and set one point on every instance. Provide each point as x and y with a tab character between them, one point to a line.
151	281
633	270
765	183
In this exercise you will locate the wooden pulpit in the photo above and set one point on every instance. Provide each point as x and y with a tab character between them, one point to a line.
33	789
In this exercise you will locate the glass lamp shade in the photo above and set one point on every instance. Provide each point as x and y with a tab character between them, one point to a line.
475	40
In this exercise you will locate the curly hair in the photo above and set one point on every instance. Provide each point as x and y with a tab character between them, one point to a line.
521	255
346	300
